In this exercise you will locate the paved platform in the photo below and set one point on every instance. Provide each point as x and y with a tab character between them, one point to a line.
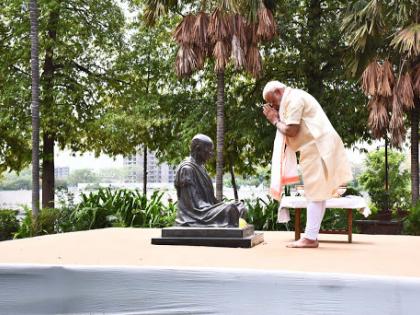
367	255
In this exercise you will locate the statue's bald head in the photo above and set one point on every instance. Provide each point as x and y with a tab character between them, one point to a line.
199	140
201	148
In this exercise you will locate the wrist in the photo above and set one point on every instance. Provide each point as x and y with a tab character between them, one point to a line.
279	126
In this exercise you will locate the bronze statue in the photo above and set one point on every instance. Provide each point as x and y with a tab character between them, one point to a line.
197	205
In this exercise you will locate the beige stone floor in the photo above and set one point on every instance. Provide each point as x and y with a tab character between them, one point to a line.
368	254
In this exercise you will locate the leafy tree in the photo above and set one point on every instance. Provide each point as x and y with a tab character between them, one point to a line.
372	180
112	174
145	67
79	41
309	55
83	176
310	39
177	110
14	181
385	50
111	110
231	29
15	152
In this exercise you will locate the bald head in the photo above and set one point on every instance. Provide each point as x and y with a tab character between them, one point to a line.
201	138
201	148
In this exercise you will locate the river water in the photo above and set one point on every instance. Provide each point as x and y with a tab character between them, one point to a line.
18	199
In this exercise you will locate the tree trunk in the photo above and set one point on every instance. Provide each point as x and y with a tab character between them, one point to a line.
386	205
220	133
232	176
415	152
48	176
33	10
314	77
48	180
145	170
145	146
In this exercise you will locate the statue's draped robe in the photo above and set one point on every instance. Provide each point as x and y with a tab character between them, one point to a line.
197	205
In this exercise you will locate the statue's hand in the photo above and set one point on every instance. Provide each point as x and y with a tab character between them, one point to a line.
241	208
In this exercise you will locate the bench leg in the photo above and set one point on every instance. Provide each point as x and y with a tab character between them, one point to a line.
297	224
350	224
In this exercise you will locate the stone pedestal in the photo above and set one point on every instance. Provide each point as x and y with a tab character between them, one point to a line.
217	237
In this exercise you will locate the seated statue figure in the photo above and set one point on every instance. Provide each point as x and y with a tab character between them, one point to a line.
197	205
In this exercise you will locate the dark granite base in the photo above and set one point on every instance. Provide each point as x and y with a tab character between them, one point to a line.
178	231
216	237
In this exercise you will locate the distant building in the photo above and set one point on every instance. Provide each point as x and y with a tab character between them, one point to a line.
156	173
62	172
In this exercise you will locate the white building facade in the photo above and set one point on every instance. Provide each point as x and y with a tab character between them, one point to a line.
156	172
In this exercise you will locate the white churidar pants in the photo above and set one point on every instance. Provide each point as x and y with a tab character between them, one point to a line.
314	214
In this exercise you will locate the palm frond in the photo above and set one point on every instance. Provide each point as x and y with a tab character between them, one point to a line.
221	55
374	14
416	80
378	116
239	28
251	34
199	31
154	9
363	20
397	136
186	61
404	91
200	55
183	33
249	9
267	27
253	61
396	124
386	79
408	40
370	78
219	28
238	54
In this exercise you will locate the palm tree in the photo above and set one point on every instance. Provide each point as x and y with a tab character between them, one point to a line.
385	41
230	29
33	10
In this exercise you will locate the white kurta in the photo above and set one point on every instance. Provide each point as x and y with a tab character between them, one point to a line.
323	159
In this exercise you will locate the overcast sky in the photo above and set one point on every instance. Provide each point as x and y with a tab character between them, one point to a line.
87	160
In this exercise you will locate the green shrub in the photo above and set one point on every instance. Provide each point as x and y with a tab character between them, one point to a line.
263	215
25	229
373	180
95	211
123	207
9	224
47	223
134	209
65	220
66	206
412	221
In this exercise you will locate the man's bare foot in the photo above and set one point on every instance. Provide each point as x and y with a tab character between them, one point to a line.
304	243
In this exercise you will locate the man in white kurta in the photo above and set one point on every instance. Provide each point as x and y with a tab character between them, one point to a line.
323	161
